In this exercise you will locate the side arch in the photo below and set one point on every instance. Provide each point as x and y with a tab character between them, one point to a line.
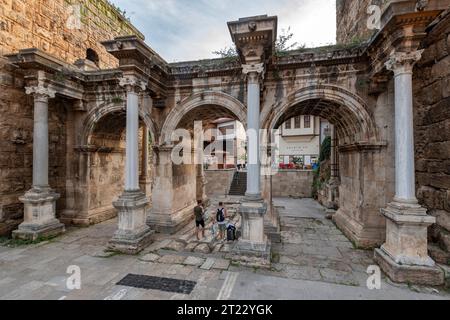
199	100
350	114
96	114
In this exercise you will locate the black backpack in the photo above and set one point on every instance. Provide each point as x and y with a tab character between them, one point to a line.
231	233
220	217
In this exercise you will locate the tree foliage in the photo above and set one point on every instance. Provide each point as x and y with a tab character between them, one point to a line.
325	149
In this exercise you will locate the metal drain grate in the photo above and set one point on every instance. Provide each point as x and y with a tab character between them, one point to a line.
157	283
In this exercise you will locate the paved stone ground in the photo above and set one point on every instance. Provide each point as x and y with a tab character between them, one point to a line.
314	261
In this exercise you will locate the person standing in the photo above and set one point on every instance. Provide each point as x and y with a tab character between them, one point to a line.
199	211
221	216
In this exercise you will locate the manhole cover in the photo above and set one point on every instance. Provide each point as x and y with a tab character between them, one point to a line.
157	283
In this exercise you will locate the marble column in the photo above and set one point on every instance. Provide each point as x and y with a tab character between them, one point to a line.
253	240
254	73
404	256
40	202
133	234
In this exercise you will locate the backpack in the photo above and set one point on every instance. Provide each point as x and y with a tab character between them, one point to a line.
231	233
220	217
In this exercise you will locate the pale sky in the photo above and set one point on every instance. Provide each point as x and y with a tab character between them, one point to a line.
182	30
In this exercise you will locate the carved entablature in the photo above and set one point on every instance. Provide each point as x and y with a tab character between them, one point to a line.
254	38
404	27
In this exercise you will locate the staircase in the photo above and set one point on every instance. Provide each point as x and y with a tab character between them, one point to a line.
239	184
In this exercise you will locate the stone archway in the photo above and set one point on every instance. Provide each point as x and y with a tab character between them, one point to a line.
177	187
346	110
224	103
362	156
96	114
98	165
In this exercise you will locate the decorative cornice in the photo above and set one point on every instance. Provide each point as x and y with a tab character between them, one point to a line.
132	84
403	62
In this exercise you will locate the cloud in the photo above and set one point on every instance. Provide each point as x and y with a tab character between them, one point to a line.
192	29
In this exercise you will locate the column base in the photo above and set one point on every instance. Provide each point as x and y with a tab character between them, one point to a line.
39	215
404	257
253	248
133	234
422	275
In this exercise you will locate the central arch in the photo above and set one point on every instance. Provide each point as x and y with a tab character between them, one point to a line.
218	104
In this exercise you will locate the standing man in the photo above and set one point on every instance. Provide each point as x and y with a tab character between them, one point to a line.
199	219
220	218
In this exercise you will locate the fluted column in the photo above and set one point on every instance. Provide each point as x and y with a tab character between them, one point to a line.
404	256
40	202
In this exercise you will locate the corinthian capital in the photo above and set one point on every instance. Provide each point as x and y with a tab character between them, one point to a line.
403	62
40	92
253	71
132	84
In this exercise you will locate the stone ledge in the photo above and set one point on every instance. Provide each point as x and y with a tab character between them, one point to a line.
25	233
433	276
131	246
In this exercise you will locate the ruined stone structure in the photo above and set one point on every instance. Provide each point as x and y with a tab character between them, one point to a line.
91	129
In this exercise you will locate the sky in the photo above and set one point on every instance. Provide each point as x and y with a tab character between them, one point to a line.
183	30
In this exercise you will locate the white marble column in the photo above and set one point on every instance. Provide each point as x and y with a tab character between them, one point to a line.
40	202
133	234
254	73
404	256
402	66
132	136
253	241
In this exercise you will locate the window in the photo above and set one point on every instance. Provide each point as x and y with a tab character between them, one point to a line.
288	124
91	55
307	122
298	122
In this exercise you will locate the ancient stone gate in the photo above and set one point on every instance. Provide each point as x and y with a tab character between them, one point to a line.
115	117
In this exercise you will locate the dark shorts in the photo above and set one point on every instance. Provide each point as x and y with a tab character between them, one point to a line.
200	223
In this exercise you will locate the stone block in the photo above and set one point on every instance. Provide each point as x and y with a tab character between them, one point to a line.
150	257
194	261
433	276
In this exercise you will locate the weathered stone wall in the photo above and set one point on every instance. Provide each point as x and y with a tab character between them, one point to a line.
351	19
218	182
43	24
292	183
432	133
52	26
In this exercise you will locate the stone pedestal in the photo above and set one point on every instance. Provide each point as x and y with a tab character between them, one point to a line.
404	256
253	247
39	216
133	234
